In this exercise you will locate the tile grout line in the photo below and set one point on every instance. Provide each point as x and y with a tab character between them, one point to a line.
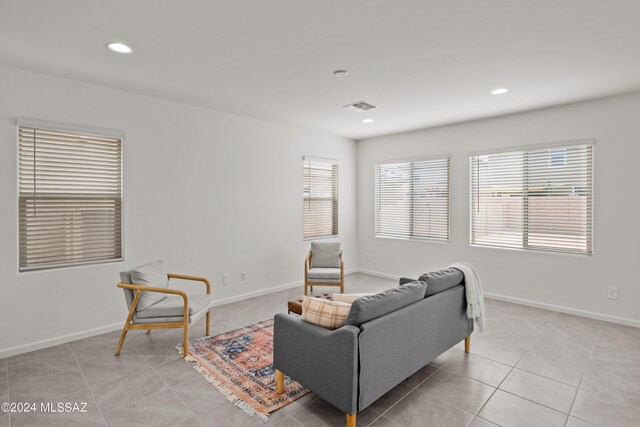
167	384
294	420
381	414
88	386
583	373
512	368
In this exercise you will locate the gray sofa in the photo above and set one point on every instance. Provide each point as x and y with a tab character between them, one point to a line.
388	337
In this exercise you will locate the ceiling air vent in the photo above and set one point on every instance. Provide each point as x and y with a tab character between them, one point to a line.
359	106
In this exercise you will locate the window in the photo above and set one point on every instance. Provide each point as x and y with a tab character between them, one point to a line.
412	199
70	197
320	195
539	198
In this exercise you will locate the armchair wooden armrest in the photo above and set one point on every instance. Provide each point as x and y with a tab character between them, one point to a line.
144	288
193	278
307	262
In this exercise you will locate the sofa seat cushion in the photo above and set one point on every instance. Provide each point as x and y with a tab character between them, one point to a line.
325	254
321	273
441	280
152	274
325	313
173	305
373	306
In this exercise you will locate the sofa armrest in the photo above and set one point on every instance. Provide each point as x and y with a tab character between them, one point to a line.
322	360
405	280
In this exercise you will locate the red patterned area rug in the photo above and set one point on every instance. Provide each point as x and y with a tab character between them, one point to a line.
239	364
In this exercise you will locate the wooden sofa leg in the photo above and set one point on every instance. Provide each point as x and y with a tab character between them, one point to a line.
148	331
351	420
279	382
467	344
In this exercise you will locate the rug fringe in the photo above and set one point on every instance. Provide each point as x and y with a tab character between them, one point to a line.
226	391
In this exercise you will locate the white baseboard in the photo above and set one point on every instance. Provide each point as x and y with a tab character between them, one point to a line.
266	291
537	304
63	339
258	293
567	310
379	274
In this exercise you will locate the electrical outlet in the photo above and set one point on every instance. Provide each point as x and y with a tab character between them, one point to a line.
612	292
243	275
226	279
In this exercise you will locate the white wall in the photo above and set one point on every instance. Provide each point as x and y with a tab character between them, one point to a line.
208	192
576	282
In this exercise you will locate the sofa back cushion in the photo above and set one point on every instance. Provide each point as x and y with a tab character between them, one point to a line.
370	307
325	254
441	280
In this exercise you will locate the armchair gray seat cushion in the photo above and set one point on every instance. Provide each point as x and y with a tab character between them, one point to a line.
172	319
173	306
324	274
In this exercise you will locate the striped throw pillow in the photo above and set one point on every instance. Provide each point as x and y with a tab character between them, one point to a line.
325	313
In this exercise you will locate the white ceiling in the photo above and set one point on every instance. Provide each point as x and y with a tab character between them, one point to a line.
423	63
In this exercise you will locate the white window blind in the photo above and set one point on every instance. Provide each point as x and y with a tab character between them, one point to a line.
539	198
70	198
412	199
320	196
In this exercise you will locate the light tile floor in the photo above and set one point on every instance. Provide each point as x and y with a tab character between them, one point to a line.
532	367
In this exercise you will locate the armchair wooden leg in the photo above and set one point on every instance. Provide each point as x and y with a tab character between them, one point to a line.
305	289
279	382
185	342
127	322
467	344
351	420
121	341
208	331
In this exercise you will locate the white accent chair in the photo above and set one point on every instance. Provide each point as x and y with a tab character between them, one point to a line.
324	266
153	305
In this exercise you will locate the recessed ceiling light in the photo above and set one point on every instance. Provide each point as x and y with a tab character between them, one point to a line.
340	73
368	121
499	91
119	48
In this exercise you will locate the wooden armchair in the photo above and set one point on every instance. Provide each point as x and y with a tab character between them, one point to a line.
326	269
176	310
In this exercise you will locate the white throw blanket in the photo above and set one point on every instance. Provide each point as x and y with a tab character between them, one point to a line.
475	295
